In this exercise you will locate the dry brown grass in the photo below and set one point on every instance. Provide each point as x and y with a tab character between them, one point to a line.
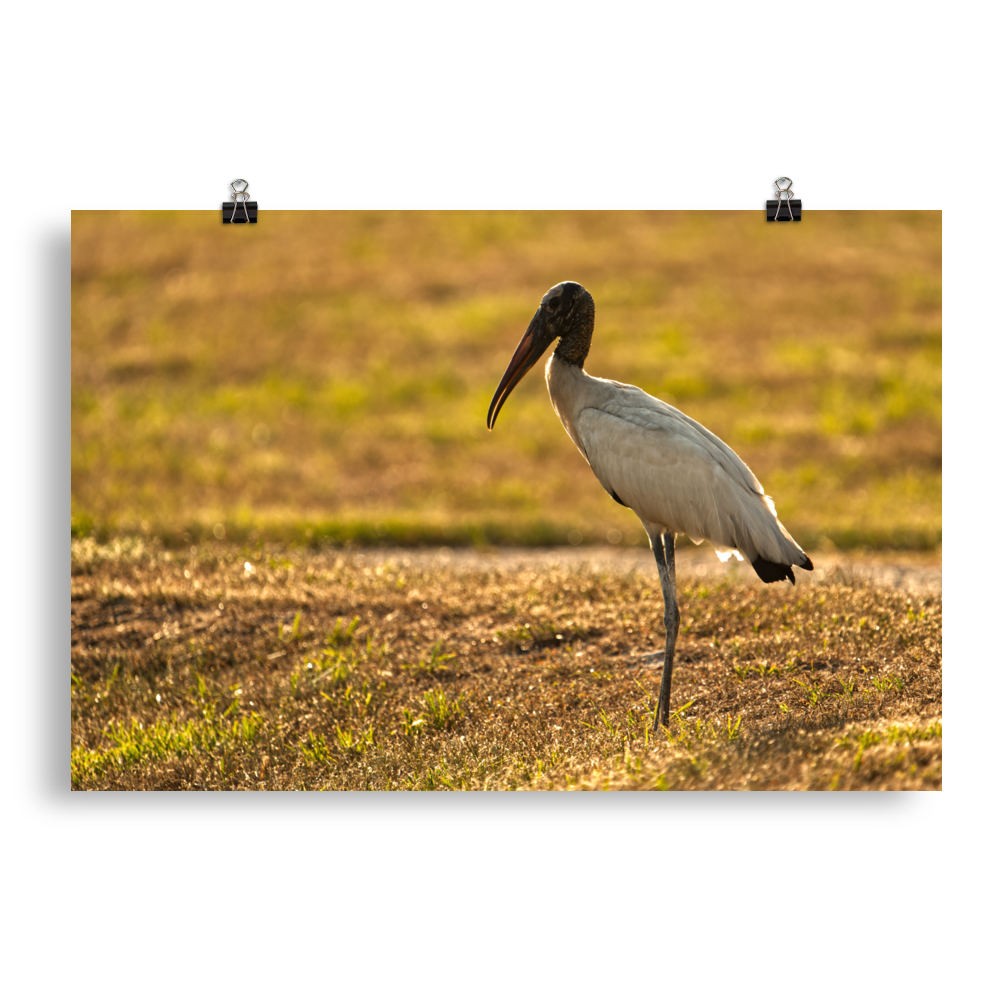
226	668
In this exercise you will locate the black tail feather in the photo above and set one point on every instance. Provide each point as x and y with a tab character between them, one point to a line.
772	572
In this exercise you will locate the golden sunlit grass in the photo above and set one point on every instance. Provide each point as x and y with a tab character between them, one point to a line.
326	375
227	667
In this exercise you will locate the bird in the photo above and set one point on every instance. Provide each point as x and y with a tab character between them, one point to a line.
677	476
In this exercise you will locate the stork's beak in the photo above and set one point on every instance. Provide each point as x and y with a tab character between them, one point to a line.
532	347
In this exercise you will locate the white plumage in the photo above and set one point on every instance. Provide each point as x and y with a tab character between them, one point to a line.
676	475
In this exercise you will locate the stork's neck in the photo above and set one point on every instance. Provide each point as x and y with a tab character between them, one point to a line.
574	345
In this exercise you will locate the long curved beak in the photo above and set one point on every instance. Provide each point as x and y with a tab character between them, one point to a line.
532	347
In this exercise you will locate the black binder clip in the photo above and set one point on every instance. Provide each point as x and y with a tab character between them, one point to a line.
784	208
239	209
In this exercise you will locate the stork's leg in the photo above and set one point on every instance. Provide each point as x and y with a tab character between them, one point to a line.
663	551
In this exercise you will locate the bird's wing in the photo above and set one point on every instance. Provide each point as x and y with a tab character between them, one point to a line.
672	471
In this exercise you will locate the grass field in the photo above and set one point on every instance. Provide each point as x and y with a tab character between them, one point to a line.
223	666
325	376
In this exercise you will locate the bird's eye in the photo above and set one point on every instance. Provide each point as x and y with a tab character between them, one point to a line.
553	302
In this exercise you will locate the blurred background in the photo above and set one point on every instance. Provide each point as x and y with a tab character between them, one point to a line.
325	376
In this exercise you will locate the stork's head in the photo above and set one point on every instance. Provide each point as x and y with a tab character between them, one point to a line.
566	312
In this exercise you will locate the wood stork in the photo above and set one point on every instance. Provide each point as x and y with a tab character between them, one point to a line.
678	477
